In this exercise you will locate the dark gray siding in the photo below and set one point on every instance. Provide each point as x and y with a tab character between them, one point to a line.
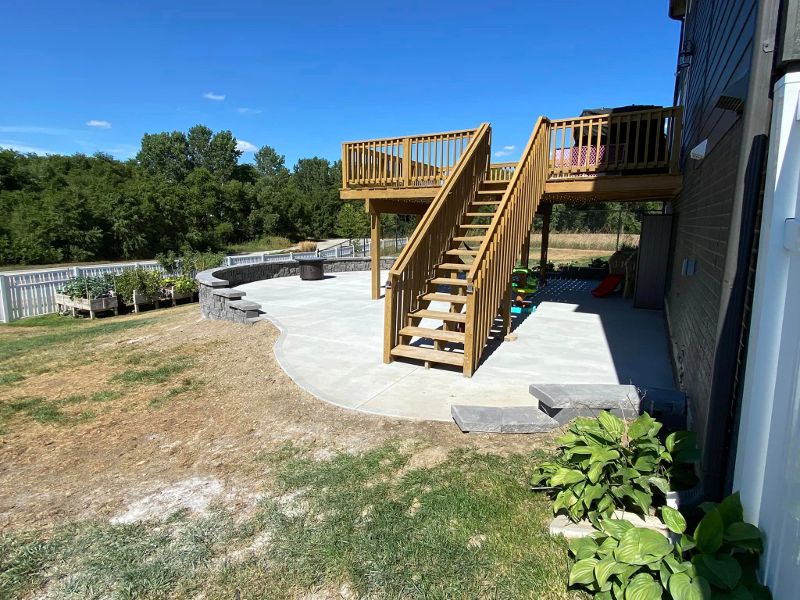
721	33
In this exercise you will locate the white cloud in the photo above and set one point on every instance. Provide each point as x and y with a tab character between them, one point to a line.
505	151
248	111
213	96
245	146
99	123
23	147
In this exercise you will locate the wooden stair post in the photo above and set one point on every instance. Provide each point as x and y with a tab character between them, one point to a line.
546	210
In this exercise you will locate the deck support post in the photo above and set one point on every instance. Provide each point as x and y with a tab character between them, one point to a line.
526	250
546	211
505	312
375	252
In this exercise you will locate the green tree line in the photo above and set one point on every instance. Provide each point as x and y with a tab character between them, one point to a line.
182	191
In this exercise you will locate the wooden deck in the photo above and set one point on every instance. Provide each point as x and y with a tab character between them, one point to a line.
476	216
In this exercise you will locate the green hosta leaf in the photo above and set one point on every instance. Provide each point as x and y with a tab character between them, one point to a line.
603	455
680	440
566	476
673	519
686	543
605	505
615	528
744	535
579	451
640	546
661	484
613	425
643	500
564	499
675	565
603	596
640	427
730	509
582	572
628	474
595	471
683	587
605	569
721	571
582	548
646	463
567	439
709	532
592	493
664	574
643	587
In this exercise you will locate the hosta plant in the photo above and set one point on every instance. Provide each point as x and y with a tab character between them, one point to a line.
606	463
719	561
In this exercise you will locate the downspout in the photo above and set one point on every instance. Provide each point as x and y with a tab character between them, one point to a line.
746	198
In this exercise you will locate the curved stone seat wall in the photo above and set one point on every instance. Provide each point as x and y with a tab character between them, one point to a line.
218	299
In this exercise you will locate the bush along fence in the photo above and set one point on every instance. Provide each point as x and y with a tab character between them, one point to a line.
611	481
34	292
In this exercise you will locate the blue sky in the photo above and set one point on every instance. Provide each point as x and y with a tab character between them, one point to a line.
91	76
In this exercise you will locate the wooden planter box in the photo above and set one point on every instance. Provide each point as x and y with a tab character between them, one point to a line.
174	296
139	299
64	302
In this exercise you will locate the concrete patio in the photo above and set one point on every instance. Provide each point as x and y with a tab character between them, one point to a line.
332	338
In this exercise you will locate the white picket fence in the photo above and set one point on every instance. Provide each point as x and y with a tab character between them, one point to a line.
30	293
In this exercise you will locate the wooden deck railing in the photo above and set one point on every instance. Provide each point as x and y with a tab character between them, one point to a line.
489	278
499	172
432	236
640	142
410	161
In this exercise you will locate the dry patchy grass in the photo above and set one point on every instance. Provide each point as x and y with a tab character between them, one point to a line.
159	455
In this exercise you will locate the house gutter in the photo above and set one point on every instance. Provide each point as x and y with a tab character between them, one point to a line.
723	410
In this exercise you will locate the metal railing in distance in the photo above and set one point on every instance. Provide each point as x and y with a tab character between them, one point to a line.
416	263
498	172
489	277
646	141
408	161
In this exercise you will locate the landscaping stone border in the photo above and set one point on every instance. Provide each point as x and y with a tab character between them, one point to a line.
219	301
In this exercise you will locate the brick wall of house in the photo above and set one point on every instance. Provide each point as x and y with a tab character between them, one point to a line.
702	219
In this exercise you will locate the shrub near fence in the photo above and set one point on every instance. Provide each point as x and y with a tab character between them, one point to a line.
30	293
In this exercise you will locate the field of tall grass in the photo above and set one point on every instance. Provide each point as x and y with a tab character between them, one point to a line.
586	241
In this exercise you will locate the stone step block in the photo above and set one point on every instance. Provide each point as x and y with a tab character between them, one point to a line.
497	419
229	293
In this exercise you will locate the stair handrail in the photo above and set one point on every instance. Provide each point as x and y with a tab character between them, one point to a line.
432	236
489	277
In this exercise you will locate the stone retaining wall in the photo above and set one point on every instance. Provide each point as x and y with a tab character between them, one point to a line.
219	301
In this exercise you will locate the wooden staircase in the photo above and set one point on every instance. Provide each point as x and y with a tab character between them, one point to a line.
436	335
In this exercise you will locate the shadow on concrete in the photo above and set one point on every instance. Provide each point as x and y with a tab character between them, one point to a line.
637	338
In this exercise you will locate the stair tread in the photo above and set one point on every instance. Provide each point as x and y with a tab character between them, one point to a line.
439	297
448	281
440	315
455	337
454	266
429	355
486	202
469	238
474	226
461	252
479	214
491	192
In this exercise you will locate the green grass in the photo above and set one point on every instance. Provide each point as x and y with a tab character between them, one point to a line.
466	528
58	331
10	377
157	374
269	242
187	385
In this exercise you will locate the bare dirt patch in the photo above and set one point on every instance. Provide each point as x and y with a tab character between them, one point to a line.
144	442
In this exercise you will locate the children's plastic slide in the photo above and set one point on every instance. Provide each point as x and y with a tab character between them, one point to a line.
607	286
